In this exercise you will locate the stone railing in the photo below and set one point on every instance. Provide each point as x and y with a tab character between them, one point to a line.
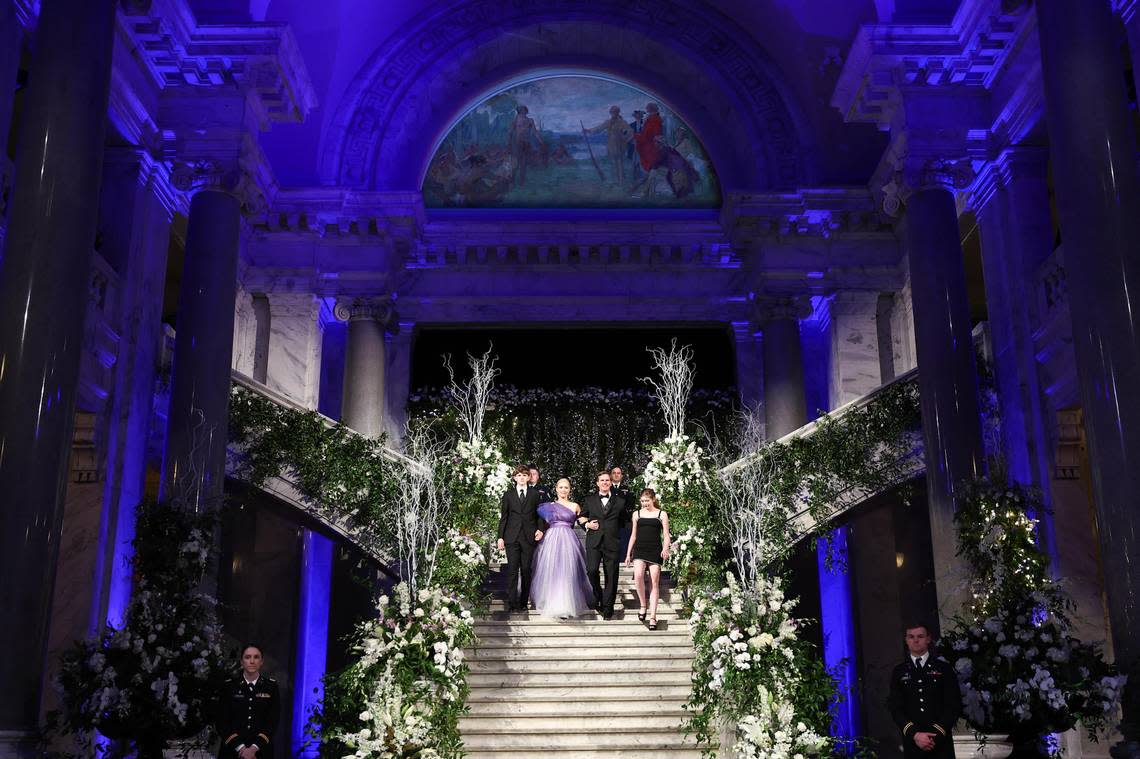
285	490
909	465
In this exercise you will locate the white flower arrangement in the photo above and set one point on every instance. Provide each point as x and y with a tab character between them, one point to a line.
682	551
751	667
464	548
481	464
427	633
674	464
773	732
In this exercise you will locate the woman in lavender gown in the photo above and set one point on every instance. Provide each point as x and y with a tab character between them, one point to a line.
559	586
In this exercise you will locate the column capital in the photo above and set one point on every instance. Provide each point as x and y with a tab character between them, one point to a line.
219	175
294	304
378	309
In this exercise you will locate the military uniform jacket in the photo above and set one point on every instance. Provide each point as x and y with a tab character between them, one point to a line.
927	701
247	716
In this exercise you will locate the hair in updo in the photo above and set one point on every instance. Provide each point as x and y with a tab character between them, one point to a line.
652	494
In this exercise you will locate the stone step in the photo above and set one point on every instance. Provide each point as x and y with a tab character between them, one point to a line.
587	678
628	604
534	623
606	652
536	724
660	751
621	617
524	635
644	703
483	664
539	742
650	641
578	694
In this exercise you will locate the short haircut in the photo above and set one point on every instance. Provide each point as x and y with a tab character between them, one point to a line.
601	474
532	466
914	624
521	469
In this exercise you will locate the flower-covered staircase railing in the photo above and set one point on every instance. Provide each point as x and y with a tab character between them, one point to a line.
888	421
254	408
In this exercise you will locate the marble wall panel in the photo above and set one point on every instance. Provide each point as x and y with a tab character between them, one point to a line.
854	349
294	359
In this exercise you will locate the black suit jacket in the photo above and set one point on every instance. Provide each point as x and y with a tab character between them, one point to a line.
518	518
608	534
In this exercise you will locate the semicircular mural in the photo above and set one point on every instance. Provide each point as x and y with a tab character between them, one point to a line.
571	141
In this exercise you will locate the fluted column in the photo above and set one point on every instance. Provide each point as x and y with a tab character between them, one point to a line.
947	376
43	284
785	403
195	455
364	400
1093	148
137	209
1012	207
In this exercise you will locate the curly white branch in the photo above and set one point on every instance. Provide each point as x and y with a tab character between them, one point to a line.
676	382
471	397
422	503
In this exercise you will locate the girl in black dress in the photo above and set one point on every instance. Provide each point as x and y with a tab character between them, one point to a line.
648	547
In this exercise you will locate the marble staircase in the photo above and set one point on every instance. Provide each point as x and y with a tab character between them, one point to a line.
579	689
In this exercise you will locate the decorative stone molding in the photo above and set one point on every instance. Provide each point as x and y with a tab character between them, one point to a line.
970	51
220	175
380	122
770	308
938	173
262	59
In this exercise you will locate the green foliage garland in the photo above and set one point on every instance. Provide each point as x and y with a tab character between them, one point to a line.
335	469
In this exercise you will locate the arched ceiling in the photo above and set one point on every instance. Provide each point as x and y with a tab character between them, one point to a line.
802	43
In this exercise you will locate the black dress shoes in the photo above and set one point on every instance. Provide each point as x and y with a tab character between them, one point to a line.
608	615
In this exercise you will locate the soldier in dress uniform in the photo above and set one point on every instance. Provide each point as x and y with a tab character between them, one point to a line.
248	711
924	700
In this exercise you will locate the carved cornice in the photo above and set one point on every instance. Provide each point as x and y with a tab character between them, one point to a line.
970	51
261	59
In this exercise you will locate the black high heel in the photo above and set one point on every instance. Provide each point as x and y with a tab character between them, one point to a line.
653	623
641	616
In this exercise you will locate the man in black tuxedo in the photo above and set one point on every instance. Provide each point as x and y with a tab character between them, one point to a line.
519	530
620	486
601	516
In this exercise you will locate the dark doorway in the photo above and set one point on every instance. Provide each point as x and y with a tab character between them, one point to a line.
607	356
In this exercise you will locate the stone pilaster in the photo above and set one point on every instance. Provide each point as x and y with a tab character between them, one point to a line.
245	333
785	401
855	369
296	328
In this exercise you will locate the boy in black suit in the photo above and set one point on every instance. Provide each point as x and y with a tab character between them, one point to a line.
518	532
602	517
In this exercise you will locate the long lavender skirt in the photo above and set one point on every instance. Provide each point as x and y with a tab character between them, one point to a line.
559	586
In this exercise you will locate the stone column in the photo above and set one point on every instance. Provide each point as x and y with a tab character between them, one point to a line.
364	398
1012	204
399	378
194	465
9	66
1098	198
138	204
785	403
43	285
946	373
749	365
296	326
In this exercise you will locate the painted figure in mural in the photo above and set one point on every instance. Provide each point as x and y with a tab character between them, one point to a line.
524	142
560	588
924	700
679	173
648	548
602	514
648	149
618	136
632	157
248	711
519	530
